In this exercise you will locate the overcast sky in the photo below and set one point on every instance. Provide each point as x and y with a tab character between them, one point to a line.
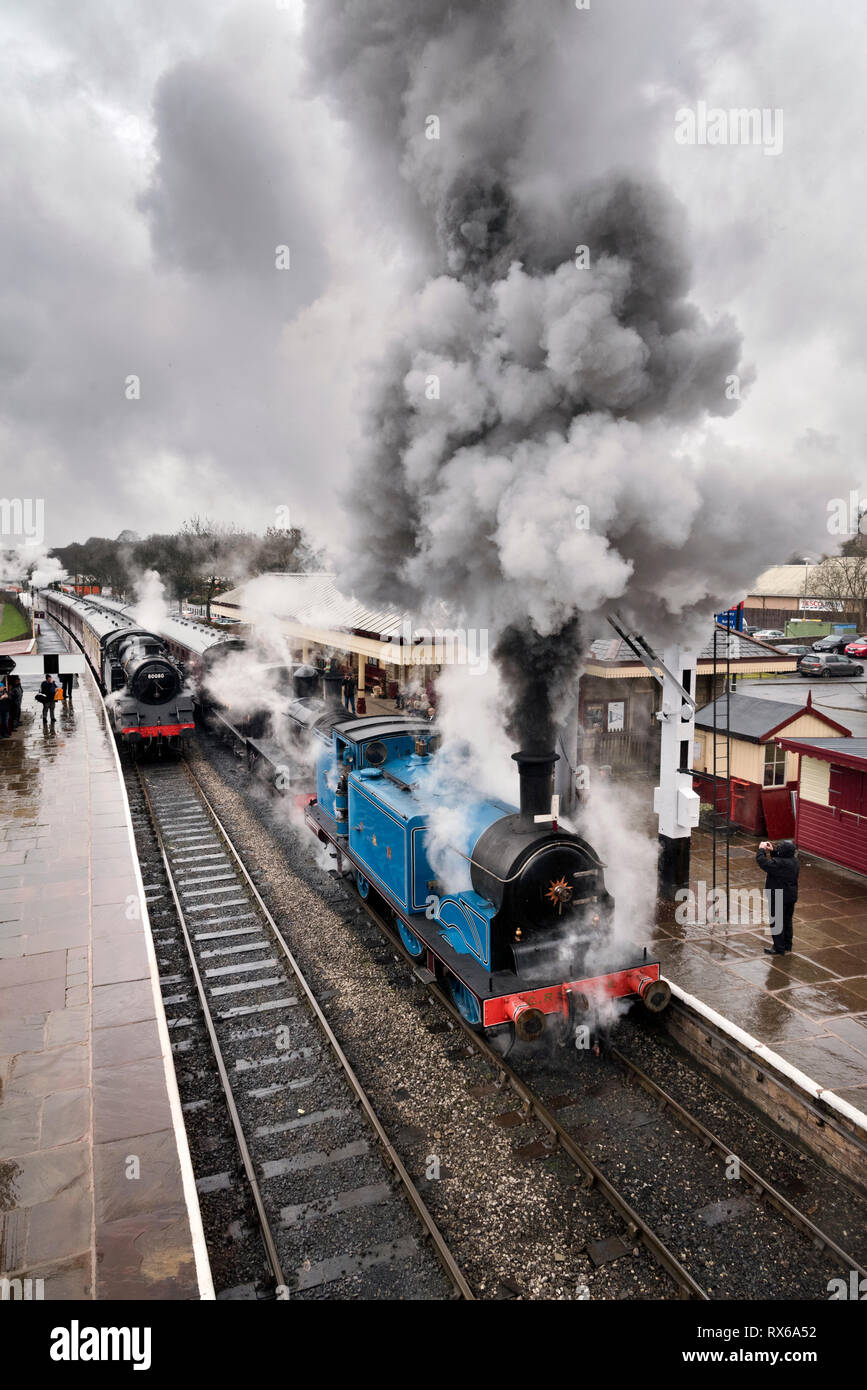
156	153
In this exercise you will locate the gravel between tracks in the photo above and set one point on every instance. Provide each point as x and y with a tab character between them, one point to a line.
517	1227
520	1227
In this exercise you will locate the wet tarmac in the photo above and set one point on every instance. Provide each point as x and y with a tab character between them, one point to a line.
91	1197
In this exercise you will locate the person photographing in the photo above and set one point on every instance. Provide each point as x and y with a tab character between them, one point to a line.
781	869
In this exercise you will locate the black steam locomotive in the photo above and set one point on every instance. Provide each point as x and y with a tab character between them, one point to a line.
148	702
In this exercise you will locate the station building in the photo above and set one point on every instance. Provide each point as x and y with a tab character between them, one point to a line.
619	699
784	593
387	650
390	654
755	774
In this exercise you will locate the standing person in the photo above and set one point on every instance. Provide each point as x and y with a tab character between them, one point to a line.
66	685
781	889
5	711
349	690
16	692
48	690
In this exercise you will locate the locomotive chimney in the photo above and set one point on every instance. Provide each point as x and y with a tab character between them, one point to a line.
305	681
333	683
536	771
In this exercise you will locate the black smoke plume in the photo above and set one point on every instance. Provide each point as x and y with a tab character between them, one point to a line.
537	441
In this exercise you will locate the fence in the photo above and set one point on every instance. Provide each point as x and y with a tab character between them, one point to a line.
627	751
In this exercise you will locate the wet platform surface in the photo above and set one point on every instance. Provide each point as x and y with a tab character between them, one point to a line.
91	1193
810	1006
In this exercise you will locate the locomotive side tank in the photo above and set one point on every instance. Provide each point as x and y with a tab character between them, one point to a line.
512	912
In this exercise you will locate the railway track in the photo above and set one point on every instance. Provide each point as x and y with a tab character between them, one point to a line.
560	1128
737	1183
759	1185
295	1172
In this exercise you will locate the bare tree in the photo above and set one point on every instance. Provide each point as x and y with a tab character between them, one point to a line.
285	552
221	552
842	578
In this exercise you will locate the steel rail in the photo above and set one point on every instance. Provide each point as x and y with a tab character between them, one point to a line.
760	1185
390	1154
634	1222
636	1226
240	1138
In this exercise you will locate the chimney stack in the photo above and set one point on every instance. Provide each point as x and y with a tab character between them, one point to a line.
536	771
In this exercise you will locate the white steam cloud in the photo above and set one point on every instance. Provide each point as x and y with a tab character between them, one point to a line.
151	607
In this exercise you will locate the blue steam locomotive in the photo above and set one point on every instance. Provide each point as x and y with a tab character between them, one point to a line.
512	914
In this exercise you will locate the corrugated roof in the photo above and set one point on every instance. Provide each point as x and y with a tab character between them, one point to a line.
783	581
852	747
743	648
843	752
315	601
752	719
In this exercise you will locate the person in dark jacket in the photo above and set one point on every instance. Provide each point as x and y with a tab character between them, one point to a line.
781	887
349	690
16	694
5	710
48	689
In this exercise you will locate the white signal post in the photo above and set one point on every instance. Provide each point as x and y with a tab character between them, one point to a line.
676	804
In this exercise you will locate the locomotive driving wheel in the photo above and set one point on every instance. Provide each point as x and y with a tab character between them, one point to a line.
465	1001
410	941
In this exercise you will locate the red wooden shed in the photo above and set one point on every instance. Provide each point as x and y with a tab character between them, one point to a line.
831	817
756	778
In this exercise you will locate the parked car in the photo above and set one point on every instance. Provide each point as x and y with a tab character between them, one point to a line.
788	649
832	644
750	629
827	664
769	634
857	648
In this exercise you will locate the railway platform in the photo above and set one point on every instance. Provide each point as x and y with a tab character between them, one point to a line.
808	1007
97	1195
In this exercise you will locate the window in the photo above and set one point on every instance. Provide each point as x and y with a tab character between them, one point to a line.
775	765
594	718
